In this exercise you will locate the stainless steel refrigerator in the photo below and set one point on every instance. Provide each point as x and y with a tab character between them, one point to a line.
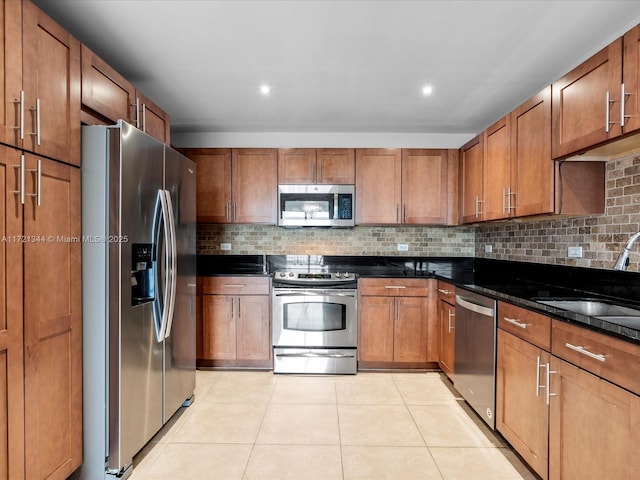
138	227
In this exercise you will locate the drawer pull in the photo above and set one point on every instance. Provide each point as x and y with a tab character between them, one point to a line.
445	292
597	356
234	285
515	322
395	286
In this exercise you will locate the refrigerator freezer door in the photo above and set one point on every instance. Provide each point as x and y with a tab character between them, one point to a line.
180	341
135	356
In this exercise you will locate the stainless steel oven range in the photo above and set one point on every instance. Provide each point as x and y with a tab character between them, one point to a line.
315	322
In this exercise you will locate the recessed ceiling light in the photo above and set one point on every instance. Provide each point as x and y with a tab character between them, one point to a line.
265	89
427	90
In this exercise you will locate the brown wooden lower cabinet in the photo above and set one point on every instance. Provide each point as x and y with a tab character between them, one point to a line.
522	413
41	318
447	315
594	426
235	329
394	329
52	321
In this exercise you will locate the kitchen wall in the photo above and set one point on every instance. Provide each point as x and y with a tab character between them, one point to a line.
601	237
271	240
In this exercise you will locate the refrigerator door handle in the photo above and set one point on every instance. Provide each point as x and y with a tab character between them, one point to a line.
161	308
172	271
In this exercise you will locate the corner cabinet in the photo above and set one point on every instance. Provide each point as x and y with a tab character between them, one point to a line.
236	186
236	322
394	326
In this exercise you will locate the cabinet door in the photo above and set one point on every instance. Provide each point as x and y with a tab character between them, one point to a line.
105	92
594	426
532	167
213	183
497	170
631	79
581	115
253	335
410	333
376	329
218	327
254	185
152	119
52	321
11	66
378	186
11	333
471	160
522	413
447	314
336	166
51	81
297	166
424	186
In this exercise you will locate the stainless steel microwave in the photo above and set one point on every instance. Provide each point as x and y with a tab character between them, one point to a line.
316	205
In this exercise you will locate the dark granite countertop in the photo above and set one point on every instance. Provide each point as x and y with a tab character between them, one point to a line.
515	282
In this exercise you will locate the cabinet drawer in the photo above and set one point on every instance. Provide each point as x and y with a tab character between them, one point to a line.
446	292
394	287
235	285
607	357
530	326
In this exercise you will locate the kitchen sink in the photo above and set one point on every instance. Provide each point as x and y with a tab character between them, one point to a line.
592	307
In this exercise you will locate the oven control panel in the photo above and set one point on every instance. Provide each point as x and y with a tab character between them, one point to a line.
314	278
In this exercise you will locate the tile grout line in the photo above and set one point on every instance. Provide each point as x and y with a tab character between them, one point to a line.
418	428
255	439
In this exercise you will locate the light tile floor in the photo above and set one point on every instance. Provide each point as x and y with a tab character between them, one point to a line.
371	426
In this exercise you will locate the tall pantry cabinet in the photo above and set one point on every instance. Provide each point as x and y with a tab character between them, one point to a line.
40	291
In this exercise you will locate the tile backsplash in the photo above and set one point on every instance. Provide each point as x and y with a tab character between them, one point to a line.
272	240
601	237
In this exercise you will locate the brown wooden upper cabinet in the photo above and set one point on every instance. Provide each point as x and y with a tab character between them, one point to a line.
236	186
42	78
330	166
496	188
584	100
107	97
471	171
410	186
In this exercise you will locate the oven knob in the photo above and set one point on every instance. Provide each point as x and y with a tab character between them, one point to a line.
291	274
346	275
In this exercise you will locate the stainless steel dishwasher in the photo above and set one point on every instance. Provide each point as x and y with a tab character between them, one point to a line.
475	354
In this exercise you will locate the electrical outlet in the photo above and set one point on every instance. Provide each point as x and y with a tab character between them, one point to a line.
488	248
403	247
574	252
225	246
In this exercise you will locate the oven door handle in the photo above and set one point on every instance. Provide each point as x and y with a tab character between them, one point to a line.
316	293
316	355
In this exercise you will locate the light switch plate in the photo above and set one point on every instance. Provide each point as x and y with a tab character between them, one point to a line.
225	246
403	247
574	252
488	248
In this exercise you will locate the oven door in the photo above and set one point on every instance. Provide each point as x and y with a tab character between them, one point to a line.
314	317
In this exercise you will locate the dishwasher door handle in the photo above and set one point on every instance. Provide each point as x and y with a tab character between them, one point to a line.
474	307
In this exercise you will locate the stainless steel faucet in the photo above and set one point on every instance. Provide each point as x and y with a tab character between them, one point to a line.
623	260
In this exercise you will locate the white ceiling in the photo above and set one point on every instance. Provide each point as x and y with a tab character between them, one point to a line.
342	66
